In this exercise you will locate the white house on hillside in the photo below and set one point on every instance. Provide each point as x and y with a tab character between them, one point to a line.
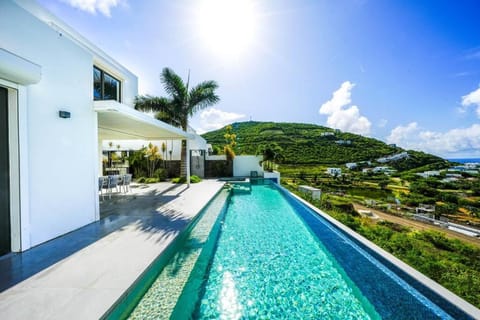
351	165
334	171
60	98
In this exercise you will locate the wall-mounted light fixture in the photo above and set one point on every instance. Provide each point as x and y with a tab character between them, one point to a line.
64	114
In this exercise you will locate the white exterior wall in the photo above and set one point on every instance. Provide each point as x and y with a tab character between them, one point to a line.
61	182
198	143
242	165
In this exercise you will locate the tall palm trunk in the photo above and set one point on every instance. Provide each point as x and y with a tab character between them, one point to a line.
183	159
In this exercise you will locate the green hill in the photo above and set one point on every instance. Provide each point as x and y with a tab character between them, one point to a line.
313	144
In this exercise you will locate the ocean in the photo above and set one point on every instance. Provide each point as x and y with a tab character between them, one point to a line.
466	160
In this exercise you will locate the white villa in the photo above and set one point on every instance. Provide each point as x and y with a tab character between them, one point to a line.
431	173
386	170
347	142
351	165
61	97
395	157
334	171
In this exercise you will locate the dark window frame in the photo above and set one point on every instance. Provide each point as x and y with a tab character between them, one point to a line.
102	84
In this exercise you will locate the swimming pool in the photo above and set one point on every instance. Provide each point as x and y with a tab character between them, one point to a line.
260	253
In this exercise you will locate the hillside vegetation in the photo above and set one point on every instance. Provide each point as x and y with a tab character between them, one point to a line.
313	144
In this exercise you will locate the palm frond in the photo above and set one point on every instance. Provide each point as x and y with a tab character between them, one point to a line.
202	96
151	104
173	84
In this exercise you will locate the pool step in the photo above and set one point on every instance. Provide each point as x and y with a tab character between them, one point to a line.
184	272
240	187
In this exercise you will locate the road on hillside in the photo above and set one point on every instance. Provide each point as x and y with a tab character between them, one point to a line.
419	225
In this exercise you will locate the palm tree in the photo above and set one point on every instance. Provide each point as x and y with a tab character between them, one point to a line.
164	150
272	154
181	103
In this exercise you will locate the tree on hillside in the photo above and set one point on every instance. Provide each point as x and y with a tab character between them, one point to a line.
230	143
271	153
182	102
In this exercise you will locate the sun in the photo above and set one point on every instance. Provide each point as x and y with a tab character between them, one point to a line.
226	27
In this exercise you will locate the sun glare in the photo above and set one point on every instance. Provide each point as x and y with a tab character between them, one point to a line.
226	27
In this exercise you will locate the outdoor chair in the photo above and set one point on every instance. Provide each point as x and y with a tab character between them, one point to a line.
103	184
127	179
125	182
112	183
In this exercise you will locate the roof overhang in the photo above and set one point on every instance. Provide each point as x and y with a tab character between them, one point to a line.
117	121
17	69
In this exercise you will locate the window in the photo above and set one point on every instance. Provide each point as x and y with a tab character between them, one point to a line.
105	86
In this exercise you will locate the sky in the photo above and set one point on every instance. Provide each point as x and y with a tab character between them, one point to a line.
402	71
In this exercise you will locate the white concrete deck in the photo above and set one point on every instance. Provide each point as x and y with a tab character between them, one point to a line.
85	284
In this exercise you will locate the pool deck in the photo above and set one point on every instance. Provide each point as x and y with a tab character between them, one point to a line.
81	274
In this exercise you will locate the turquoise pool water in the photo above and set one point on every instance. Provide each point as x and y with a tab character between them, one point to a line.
268	264
261	254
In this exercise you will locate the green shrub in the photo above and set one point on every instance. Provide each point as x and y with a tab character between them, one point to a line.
147	180
160	174
193	179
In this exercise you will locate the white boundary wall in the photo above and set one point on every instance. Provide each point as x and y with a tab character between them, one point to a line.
242	165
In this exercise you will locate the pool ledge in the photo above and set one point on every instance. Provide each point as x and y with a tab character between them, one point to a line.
446	294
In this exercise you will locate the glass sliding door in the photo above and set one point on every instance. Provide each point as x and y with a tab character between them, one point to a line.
5	245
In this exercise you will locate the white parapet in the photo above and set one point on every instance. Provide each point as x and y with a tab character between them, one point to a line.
272	175
313	192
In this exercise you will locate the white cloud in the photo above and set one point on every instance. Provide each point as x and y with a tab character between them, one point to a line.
92	6
402	134
212	119
340	98
344	117
465	141
471	99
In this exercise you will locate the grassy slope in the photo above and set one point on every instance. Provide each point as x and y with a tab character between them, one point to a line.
303	144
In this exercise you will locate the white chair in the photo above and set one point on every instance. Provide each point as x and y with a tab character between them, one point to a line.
127	179
112	183
103	184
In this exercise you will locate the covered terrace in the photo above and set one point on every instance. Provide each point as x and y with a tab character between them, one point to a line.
118	121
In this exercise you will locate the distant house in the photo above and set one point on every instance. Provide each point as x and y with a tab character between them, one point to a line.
327	134
366	170
454	175
457	169
426	174
449	180
386	170
425	209
393	145
395	157
472	165
334	172
346	142
351	165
